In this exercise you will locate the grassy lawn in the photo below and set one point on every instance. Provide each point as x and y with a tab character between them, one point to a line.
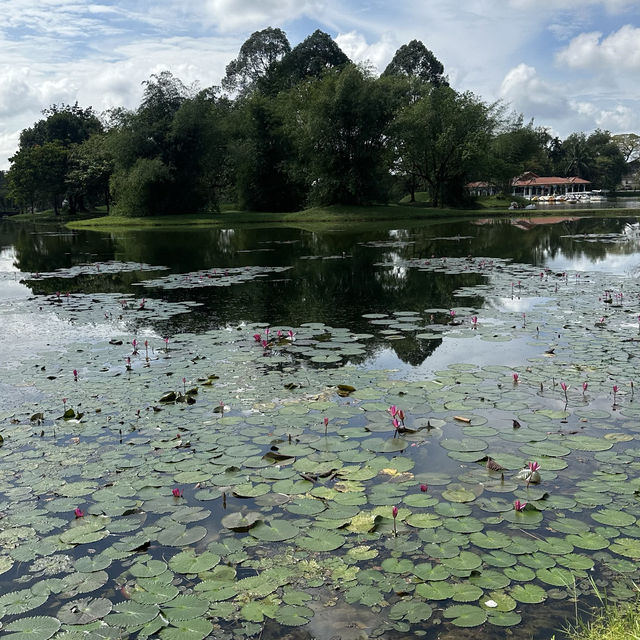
324	216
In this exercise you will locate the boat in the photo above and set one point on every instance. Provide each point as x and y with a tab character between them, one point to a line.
598	195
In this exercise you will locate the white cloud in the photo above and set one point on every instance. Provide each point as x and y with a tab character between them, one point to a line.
528	92
618	119
612	6
358	49
619	51
250	14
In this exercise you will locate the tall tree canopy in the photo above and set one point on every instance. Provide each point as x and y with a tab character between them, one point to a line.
414	60
310	59
341	136
261	50
443	139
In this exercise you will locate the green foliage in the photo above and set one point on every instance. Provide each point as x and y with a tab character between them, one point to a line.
313	57
144	189
65	124
415	60
517	149
342	141
37	175
305	127
596	158
442	139
258	53
262	154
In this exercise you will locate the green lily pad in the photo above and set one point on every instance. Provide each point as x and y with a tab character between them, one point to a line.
528	594
275	531
84	611
36	628
465	615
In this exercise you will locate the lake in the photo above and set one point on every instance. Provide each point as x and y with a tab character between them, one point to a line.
286	432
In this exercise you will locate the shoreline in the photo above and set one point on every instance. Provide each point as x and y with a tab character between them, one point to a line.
333	215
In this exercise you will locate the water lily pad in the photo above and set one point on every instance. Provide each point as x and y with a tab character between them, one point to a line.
84	610
275	531
240	521
528	594
132	614
36	628
613	518
194	629
189	562
466	561
185	607
16	602
458	493
320	540
465	615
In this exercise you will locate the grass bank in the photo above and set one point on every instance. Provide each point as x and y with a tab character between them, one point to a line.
611	623
336	215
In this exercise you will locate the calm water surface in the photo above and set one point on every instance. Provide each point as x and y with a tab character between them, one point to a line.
335	277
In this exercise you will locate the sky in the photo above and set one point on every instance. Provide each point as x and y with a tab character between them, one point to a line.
571	65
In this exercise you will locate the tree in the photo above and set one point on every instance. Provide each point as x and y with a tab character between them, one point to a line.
65	124
629	145
315	55
22	180
198	144
516	149
145	189
340	129
90	168
578	156
443	140
6	202
37	175
414	60
261	50
262	154
596	158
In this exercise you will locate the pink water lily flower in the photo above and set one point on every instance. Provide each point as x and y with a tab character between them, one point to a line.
585	386
75	375
394	512
177	493
519	506
533	466
516	377
395	423
424	488
79	513
257	337
393	410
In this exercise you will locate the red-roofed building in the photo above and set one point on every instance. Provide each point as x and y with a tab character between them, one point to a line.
529	184
482	189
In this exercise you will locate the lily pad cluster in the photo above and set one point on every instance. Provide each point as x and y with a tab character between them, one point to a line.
286	488
223	277
108	267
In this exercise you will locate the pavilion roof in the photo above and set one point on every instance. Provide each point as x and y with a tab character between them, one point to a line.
530	179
